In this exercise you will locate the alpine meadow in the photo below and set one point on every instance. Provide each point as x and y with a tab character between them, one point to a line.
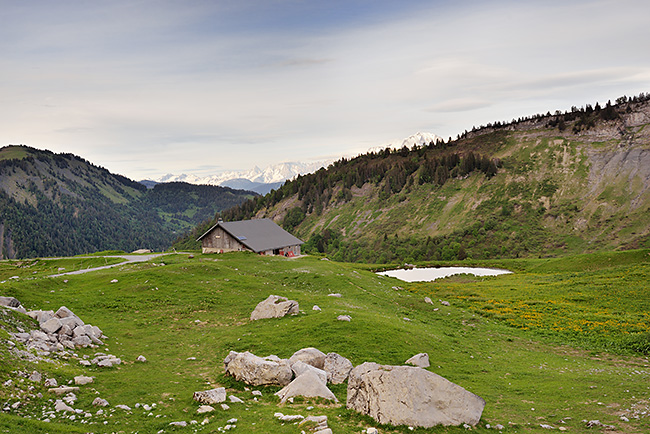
561	200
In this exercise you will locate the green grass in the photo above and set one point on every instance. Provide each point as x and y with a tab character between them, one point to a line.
199	307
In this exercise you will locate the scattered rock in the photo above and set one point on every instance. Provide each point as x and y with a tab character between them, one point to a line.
344	318
51	382
123	407
212	396
225	407
420	360
100	402
428	300
62	390
180	423
36	377
316	308
372	431
444	303
141	359
205	409
257	371
82	379
404	395
308	385
275	307
114	281
338	367
62	406
336	294
234	400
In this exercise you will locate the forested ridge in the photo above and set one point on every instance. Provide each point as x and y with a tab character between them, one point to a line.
60	204
540	185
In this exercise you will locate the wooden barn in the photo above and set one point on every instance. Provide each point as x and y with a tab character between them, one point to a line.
261	236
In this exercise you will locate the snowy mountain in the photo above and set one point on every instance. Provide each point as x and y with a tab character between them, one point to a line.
272	177
420	139
256	179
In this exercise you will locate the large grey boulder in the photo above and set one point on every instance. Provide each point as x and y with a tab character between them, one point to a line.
257	371
311	356
275	307
212	396
308	385
337	367
404	395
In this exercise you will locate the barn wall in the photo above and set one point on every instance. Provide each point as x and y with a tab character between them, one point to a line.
220	241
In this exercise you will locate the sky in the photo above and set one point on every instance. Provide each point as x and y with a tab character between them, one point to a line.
145	88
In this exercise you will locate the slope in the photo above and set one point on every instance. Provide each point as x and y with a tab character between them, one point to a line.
60	204
545	185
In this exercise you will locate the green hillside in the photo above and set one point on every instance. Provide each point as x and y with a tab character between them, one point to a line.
557	343
551	184
60	204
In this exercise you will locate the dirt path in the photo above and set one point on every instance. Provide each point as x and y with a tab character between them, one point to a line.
129	259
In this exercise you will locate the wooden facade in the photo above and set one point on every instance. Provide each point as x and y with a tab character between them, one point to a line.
261	236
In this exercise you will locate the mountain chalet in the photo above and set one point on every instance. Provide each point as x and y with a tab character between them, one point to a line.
261	236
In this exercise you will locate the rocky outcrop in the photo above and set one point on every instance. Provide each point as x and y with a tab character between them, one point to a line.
404	395
274	307
57	331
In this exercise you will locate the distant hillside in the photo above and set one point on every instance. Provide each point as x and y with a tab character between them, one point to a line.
60	204
543	185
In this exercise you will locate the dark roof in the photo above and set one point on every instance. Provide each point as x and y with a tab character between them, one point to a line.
258	234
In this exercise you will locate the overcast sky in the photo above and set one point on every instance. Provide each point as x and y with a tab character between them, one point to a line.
144	88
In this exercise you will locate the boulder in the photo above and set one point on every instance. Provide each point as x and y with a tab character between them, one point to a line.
428	300
347	318
62	406
337	367
256	371
308	385
311	356
51	326
274	307
212	396
420	360
9	302
64	312
301	367
404	395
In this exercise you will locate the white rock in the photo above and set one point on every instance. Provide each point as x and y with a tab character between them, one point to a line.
316	308
225	407
308	385
344	318
80	380
204	409
275	307
420	360
212	396
428	301
234	399
141	359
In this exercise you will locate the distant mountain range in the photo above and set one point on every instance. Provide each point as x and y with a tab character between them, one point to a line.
272	177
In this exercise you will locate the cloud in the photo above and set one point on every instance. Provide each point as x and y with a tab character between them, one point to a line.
459	105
